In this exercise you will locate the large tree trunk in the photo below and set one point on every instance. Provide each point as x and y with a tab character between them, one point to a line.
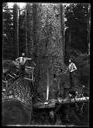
50	49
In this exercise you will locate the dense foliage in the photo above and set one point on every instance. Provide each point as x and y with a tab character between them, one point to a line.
77	24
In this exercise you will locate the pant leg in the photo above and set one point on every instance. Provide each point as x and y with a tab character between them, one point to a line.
22	70
71	77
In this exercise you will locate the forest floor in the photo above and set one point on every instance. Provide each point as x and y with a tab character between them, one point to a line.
41	117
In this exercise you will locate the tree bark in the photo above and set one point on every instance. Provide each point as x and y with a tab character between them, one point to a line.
35	30
16	29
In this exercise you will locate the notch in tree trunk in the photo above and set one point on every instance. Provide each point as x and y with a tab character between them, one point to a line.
47	94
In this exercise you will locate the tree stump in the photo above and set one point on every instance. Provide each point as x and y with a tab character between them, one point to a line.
15	113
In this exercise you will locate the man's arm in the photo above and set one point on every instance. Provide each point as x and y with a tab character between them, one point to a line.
28	58
18	59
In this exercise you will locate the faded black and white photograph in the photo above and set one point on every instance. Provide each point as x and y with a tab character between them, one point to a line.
45	64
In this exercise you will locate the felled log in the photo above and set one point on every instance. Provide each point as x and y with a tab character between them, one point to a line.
73	100
51	103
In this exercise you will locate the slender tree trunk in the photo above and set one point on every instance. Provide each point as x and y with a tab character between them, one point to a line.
35	30
35	46
3	38
62	27
26	19
18	32
88	28
16	28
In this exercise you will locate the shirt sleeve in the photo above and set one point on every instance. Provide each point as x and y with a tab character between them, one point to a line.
17	59
72	67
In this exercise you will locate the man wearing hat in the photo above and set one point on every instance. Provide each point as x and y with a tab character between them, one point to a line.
22	60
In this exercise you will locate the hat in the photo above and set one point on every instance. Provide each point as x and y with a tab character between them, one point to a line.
23	54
